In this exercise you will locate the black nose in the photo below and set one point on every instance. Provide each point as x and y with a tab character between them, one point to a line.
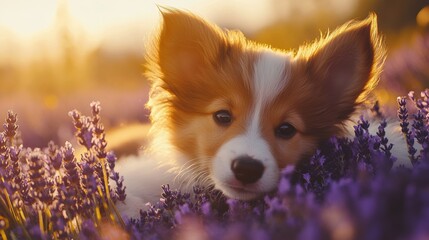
247	170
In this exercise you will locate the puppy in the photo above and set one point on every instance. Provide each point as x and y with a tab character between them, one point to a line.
230	113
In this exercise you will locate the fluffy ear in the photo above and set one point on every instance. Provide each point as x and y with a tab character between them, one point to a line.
335	74
344	66
186	45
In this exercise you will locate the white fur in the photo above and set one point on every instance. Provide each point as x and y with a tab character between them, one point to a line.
270	76
144	174
248	145
143	178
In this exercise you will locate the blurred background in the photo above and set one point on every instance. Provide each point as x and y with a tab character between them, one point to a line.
56	56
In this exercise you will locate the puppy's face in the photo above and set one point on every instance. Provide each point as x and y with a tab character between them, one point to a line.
240	111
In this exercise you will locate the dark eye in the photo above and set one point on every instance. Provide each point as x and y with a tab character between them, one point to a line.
222	117
285	131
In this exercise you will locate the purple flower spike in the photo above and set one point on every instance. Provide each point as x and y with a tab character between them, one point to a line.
41	186
95	109
421	133
385	147
49	193
10	126
83	127
377	111
346	189
72	177
4	158
403	122
89	231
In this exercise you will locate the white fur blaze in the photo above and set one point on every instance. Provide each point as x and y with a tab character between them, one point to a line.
271	72
271	75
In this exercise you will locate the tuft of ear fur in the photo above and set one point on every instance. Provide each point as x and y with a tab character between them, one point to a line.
343	68
186	45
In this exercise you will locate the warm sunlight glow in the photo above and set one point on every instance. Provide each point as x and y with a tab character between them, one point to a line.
29	17
56	55
26	18
120	25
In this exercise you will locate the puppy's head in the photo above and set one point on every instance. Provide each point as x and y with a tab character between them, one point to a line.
241	111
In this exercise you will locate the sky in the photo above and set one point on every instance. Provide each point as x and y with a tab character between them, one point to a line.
26	18
124	25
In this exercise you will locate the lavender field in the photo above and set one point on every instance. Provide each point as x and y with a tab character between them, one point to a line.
349	189
57	165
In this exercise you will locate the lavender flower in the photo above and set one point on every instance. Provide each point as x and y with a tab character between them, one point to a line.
95	110
3	153
72	176
83	127
381	133
118	192
347	189
377	111
55	156
58	221
37	175
89	187
45	192
421	133
10	126
363	141
403	118
89	231
25	193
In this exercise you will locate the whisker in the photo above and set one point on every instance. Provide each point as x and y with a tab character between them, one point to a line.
197	173
185	169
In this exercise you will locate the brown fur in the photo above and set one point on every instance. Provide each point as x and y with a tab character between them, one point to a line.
196	69
337	73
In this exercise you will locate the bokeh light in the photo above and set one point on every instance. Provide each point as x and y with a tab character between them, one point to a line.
56	56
